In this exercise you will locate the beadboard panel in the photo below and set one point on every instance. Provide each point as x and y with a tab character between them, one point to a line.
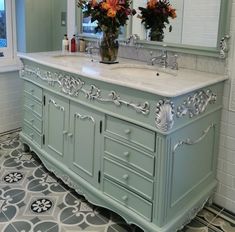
10	101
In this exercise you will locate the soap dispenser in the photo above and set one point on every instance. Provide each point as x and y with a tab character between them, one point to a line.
65	44
73	44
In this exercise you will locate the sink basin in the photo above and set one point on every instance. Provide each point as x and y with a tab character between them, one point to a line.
141	72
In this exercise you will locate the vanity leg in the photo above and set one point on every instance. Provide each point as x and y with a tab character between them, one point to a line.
26	147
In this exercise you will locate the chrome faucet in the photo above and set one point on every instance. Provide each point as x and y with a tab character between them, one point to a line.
161	59
164	61
133	39
90	49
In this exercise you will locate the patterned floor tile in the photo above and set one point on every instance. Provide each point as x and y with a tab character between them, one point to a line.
33	199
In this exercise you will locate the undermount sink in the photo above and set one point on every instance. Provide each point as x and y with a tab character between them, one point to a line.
144	71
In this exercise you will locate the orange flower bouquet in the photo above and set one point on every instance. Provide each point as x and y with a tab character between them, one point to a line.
110	16
155	17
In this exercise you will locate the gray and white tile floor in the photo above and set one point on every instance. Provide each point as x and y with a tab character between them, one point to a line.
34	200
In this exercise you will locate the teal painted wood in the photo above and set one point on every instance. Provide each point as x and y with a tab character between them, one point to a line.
85	142
128	178
128	199
130	156
56	125
181	161
31	119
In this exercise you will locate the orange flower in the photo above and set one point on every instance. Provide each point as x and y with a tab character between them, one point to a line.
172	11
93	3
111	13
112	7
152	3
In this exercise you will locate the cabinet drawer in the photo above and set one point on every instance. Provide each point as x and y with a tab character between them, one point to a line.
33	106
129	178
129	199
33	90
131	132
136	158
33	120
34	136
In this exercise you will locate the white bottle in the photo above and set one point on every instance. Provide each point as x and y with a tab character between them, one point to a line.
65	44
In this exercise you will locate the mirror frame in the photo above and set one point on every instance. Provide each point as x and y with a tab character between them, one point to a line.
223	30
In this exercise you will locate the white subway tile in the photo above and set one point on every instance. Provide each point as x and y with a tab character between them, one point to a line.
227	191
224	202
224	178
229	168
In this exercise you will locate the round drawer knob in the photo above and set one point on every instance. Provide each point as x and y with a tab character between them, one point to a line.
32	105
32	90
125	177
70	135
65	132
125	198
32	121
127	131
126	154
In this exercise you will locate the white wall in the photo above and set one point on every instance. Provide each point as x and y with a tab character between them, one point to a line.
225	195
10	101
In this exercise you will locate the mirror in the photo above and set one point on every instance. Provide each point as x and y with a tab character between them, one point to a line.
198	28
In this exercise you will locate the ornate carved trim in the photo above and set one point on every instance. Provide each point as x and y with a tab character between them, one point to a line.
56	105
188	141
164	119
223	46
196	104
73	86
192	213
84	117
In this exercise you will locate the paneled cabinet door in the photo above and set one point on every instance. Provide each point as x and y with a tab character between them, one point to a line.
56	127
85	149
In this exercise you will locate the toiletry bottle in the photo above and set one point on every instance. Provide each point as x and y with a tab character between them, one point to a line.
73	44
65	44
82	45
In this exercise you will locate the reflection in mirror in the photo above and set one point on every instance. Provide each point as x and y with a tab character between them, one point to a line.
59	22
197	22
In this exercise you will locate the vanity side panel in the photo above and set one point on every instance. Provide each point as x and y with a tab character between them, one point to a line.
188	160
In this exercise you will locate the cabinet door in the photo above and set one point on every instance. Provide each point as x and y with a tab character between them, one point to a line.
56	125
86	141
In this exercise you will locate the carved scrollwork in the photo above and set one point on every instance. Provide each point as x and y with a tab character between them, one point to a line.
73	86
196	104
164	115
56	105
189	141
84	117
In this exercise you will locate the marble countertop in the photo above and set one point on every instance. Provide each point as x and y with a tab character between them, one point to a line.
128	73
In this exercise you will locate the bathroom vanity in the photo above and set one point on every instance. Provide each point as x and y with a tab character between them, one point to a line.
135	139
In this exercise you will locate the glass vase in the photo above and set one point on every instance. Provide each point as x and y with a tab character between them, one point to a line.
109	48
156	34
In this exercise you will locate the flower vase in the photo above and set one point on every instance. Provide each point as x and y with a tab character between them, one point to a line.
156	34
109	48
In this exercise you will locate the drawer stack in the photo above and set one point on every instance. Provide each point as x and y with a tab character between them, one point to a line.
128	165
32	125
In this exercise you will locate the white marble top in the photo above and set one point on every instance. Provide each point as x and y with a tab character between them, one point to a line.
128	73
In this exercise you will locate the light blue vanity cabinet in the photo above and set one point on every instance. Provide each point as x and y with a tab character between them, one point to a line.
150	158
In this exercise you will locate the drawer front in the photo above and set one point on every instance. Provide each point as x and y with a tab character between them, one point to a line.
34	136
131	132
33	120
33	106
136	158
129	178
129	199
33	90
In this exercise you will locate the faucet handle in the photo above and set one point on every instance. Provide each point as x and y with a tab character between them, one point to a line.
174	64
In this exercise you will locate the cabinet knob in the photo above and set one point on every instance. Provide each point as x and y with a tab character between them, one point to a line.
32	121
125	177
70	135
125	198
127	131
32	90
31	135
126	154
32	105
65	132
